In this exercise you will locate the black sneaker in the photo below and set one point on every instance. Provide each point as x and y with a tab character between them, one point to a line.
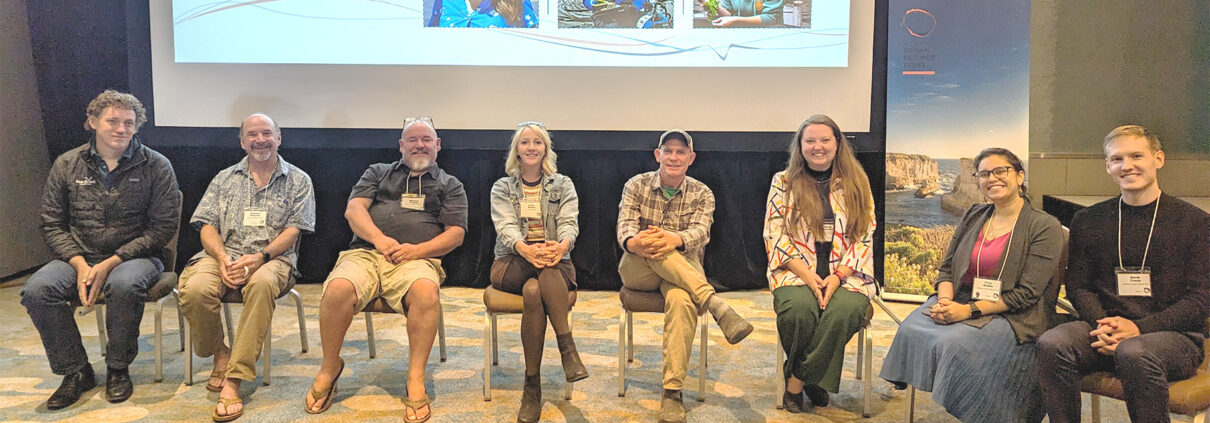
792	402
818	396
73	386
118	386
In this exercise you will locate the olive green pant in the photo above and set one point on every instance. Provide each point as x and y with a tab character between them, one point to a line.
201	291
814	339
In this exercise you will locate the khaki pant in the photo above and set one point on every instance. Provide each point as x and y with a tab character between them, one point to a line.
683	284
201	290
373	276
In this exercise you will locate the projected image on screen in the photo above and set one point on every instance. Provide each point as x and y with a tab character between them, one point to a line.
482	13
607	33
645	14
751	13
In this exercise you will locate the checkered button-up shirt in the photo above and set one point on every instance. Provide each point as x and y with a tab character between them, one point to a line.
689	213
288	198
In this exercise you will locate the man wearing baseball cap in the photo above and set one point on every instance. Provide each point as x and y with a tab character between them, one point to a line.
663	226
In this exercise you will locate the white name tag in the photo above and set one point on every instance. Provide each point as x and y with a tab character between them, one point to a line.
531	209
255	217
986	289
412	201
1134	282
829	225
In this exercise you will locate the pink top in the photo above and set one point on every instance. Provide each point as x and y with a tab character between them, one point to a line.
988	259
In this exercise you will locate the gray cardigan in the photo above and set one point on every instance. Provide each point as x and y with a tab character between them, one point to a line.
1034	253
560	212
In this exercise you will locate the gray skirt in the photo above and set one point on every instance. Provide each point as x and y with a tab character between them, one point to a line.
977	374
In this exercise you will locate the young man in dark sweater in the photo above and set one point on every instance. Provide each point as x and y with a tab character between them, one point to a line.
1139	277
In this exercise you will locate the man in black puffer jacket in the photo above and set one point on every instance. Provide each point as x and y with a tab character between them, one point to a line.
109	208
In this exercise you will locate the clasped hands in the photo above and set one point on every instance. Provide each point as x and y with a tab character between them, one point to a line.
90	279
948	311
396	252
655	243
235	273
1110	331
823	288
541	255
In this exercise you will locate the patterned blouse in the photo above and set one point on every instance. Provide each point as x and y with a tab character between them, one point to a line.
782	246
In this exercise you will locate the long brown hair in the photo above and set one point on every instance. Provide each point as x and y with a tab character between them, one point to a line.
510	10
847	174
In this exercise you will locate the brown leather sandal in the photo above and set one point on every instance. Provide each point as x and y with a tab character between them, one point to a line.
415	406
222	378
325	400
227	403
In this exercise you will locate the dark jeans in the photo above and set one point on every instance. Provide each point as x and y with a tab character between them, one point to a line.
1145	364
50	296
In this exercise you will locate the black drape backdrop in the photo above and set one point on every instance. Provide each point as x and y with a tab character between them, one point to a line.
82	48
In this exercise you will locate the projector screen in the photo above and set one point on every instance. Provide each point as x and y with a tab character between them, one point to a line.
573	64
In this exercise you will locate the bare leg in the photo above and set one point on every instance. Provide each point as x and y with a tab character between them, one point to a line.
230	390
335	315
423	303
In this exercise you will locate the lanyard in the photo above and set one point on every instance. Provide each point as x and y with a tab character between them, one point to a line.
1149	233
1008	247
419	184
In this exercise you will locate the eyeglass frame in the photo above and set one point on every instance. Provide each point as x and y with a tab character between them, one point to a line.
409	120
996	171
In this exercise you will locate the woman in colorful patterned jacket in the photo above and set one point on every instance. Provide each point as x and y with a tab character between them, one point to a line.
819	228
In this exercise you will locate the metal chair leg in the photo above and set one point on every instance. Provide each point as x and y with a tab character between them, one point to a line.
188	352
230	324
370	334
495	342
1096	408
102	334
489	338
268	356
622	317
180	318
629	336
867	362
860	350
701	367
441	330
302	321
159	339
911	415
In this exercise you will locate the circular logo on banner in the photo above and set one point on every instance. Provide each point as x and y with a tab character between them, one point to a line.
918	22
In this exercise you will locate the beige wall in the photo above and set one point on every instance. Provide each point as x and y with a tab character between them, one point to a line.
23	161
1095	65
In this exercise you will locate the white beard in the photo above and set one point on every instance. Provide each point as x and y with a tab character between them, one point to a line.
419	163
261	156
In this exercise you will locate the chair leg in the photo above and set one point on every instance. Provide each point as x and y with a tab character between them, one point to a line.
441	331
911	415
1096	408
867	362
629	336
701	367
860	349
887	310
780	386
176	300
230	324
188	344
489	337
102	335
370	334
302	321
159	339
495	342
622	351
1200	417
268	356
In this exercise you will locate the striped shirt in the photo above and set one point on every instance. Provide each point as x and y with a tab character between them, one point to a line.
536	232
689	213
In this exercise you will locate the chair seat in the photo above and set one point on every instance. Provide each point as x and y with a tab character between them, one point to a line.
869	315
1187	397
236	296
161	289
498	301
644	301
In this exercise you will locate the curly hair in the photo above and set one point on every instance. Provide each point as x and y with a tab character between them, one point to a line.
121	100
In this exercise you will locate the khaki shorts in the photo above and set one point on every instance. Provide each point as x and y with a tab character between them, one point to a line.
373	276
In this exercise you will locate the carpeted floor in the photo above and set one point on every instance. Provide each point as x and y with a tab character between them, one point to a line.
740	378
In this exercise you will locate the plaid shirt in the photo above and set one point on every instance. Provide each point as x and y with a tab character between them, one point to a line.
689	213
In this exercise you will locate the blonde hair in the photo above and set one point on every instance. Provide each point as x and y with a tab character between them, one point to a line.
847	174
1153	142
114	98
512	166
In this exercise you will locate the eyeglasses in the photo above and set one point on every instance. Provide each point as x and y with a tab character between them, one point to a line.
532	122
425	119
1000	172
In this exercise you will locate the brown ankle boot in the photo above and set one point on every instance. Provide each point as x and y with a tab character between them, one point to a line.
571	359
531	400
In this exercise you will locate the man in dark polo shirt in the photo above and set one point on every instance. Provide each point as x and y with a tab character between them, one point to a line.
405	216
1139	277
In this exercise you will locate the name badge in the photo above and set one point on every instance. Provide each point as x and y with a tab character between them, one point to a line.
1134	282
412	201
255	216
829	225
986	289
531	209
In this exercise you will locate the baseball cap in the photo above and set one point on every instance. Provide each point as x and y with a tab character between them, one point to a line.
676	134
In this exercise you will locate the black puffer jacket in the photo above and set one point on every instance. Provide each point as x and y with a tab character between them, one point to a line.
133	219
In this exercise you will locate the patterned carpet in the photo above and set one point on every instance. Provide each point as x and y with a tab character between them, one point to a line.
740	378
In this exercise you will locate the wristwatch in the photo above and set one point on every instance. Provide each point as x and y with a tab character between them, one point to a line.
265	255
975	311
